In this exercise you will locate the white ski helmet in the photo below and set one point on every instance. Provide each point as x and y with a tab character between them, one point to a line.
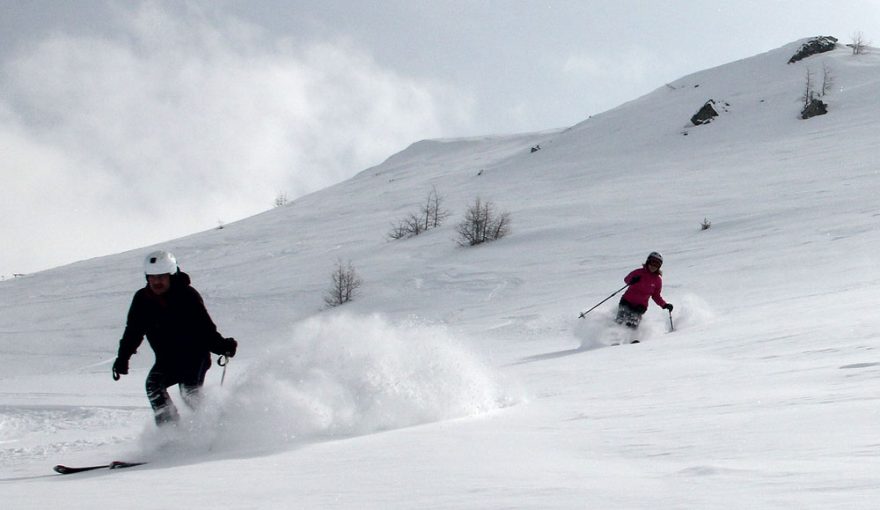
656	256
160	262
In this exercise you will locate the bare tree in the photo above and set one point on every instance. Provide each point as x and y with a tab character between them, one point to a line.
400	230
410	226
433	211
809	93
345	283
827	79
859	44
430	215
482	223
281	200
814	106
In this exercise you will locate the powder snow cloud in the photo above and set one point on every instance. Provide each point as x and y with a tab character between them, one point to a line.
167	125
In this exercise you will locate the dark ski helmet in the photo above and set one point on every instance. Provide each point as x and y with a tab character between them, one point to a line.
655	256
160	262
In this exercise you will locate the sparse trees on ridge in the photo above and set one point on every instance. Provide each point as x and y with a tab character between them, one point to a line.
481	223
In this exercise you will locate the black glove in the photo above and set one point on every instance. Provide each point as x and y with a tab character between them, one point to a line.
668	306
120	367
635	280
229	346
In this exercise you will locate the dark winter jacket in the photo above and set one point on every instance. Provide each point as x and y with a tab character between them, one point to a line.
176	324
648	286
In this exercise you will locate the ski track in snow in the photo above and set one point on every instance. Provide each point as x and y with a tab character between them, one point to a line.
72	429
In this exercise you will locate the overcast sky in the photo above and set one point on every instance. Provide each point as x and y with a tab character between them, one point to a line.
129	123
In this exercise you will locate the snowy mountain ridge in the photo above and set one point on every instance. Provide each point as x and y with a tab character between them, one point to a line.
488	391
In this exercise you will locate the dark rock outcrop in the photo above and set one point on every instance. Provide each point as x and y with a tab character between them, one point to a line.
814	46
816	107
705	114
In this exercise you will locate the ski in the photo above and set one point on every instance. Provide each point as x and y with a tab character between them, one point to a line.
69	470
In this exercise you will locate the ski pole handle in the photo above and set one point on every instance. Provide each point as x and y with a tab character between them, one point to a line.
223	361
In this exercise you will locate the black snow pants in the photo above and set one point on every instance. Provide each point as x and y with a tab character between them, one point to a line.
160	379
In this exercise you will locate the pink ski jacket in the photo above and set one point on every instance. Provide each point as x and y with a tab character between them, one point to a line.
649	286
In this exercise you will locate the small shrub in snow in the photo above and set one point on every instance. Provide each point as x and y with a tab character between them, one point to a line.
482	223
431	215
859	45
706	224
281	200
345	283
408	227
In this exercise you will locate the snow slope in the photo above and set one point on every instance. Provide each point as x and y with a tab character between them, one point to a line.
461	377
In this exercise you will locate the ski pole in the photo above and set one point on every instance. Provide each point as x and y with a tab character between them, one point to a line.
223	361
671	326
582	315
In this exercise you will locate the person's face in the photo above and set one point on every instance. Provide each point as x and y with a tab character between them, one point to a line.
654	265
159	283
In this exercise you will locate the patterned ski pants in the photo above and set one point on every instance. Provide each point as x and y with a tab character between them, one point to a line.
627	316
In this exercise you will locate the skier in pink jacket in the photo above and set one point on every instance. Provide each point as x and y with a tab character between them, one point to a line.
644	283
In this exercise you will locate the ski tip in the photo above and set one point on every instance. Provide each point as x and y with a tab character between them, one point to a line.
118	464
69	470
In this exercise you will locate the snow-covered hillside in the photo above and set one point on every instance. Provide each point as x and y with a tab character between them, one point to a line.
462	377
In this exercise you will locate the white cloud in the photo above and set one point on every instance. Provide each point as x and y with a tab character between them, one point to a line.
177	121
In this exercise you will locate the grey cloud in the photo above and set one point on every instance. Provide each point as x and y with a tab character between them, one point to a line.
177	121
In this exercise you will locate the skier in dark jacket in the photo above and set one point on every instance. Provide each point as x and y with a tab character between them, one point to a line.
644	283
182	335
